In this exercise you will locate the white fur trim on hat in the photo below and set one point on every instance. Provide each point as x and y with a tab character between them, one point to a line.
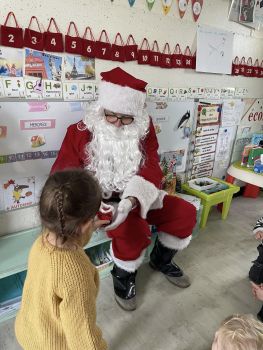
121	99
147	194
129	265
173	242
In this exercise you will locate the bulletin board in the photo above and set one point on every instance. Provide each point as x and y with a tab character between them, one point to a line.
251	122
31	134
173	121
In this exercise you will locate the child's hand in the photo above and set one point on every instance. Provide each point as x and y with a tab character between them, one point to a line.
259	235
99	223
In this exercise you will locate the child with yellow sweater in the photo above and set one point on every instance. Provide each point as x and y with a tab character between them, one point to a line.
58	309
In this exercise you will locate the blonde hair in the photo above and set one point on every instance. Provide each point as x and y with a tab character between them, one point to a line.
240	332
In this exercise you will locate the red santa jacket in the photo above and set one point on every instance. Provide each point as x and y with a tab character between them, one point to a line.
144	186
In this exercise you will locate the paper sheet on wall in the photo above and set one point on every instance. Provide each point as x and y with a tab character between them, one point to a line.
31	133
251	123
173	126
224	140
214	50
232	112
234	14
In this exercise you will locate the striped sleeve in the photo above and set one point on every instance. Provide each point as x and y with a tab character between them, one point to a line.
258	226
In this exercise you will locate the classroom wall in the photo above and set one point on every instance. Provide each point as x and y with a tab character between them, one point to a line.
117	16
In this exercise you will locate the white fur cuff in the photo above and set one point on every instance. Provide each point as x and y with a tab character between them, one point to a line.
173	242
257	230
129	265
146	193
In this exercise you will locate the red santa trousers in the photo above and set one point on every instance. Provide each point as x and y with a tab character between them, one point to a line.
176	218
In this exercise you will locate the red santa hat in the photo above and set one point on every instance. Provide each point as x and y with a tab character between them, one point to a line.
120	92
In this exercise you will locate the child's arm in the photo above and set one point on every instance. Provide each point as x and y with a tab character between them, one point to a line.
78	313
258	229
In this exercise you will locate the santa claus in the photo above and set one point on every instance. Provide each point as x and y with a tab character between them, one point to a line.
116	141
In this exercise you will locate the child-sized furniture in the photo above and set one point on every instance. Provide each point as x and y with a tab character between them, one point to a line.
208	200
254	181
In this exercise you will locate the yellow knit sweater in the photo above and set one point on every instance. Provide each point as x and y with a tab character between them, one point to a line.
58	310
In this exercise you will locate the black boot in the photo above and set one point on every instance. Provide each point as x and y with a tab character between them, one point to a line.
124	288
260	315
161	260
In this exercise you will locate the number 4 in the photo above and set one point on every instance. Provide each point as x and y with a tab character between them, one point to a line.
53	42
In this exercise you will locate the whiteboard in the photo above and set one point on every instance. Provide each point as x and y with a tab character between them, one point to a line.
214	50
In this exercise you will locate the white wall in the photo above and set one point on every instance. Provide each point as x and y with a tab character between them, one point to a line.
117	16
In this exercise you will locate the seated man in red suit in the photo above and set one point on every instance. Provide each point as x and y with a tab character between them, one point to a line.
116	141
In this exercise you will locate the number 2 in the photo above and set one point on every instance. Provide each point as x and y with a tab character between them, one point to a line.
11	38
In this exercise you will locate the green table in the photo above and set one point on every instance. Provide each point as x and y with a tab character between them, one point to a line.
208	200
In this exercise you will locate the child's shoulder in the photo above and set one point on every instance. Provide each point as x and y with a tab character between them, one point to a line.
75	269
76	261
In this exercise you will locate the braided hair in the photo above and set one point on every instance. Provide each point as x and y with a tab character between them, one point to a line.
69	199
59	200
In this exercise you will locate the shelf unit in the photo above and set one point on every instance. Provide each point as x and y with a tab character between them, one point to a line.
14	250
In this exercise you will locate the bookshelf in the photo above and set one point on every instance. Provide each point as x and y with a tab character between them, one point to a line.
14	250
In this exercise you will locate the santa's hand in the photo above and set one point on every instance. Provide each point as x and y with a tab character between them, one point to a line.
123	209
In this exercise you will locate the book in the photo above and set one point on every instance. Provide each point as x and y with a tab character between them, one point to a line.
254	155
256	138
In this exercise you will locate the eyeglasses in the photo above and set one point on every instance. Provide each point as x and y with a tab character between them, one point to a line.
112	118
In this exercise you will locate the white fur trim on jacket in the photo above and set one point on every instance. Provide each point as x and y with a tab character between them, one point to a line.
121	99
129	265
147	194
257	230
173	242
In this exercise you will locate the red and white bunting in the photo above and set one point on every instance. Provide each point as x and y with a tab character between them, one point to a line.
197	8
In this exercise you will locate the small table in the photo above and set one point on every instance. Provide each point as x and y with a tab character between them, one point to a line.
208	200
253	180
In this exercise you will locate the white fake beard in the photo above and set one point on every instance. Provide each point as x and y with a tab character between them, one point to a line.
114	154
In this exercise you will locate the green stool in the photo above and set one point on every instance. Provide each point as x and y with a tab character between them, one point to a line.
208	200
